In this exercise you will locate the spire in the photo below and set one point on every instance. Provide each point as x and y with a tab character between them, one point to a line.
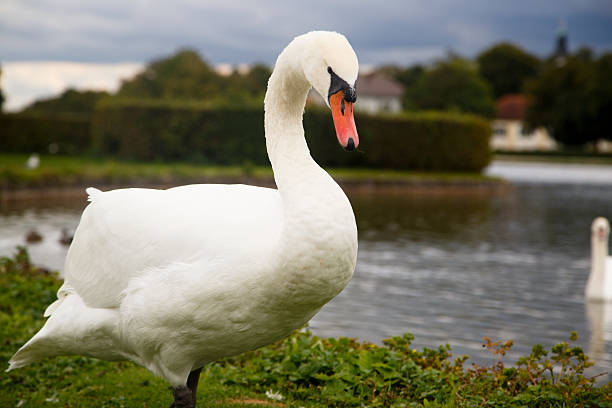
561	47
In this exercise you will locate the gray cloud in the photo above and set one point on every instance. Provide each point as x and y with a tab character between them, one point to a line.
386	31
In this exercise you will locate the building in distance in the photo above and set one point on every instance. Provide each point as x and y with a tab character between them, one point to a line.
375	94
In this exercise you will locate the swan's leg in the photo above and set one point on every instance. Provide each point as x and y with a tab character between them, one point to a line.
192	383
185	396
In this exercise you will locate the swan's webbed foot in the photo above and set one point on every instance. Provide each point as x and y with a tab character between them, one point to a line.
185	396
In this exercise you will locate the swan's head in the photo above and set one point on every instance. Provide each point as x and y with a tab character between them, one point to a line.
331	67
600	228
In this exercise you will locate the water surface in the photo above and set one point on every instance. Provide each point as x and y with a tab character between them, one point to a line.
449	268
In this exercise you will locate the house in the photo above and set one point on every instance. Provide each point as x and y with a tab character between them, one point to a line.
510	132
375	93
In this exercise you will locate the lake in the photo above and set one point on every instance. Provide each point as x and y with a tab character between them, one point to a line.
447	267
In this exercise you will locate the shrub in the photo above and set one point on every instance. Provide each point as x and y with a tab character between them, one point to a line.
302	369
228	135
427	141
27	133
198	132
168	131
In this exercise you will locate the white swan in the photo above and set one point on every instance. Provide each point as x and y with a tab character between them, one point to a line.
174	279
599	285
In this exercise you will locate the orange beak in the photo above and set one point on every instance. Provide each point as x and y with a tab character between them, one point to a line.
342	112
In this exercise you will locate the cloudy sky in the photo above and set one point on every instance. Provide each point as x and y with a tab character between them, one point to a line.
99	41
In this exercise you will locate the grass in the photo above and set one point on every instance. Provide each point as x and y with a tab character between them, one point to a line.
306	370
59	171
73	170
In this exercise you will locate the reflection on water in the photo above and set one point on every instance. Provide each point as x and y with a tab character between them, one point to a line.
49	218
448	268
456	268
600	323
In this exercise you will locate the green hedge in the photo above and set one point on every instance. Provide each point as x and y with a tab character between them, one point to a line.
226	135
28	133
166	131
171	131
428	141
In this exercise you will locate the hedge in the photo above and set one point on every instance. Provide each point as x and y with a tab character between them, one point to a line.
197	132
34	133
171	131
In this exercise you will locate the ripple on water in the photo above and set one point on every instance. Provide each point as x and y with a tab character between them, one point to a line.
449	269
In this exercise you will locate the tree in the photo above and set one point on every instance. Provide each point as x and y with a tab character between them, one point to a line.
603	96
182	76
573	100
506	67
249	87
185	75
70	101
256	80
453	84
409	78
1	94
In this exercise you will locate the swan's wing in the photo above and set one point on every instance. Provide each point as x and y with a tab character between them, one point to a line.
125	233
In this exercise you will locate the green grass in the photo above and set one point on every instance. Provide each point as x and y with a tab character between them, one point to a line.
72	170
78	381
308	371
59	171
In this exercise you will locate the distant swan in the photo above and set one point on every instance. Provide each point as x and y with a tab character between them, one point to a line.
174	279
33	161
599	286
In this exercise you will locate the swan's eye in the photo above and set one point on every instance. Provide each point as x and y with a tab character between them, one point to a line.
338	84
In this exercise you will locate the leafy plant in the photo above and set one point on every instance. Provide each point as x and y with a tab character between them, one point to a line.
301	370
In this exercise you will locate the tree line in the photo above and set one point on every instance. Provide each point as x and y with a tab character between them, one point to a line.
571	96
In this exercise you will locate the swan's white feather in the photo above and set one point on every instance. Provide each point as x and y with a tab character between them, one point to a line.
130	231
599	284
172	279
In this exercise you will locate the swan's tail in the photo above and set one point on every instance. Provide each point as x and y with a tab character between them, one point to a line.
73	328
92	193
63	291
32	351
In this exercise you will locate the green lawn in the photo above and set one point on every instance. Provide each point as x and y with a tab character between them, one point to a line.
58	171
306	370
73	170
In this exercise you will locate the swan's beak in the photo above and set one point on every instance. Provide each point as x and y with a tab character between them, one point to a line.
342	112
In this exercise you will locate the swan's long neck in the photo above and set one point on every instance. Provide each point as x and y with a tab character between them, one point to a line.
317	248
284	106
598	285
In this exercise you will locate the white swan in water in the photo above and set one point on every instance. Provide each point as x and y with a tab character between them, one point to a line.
174	279
599	285
599	290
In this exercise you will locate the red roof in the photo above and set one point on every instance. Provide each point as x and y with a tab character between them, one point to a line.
511	106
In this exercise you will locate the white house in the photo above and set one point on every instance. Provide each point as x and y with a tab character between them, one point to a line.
510	132
375	93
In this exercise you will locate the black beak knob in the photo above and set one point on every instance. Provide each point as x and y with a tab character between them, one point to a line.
350	145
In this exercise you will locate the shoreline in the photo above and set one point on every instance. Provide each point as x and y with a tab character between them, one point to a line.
371	374
552	158
60	177
350	185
